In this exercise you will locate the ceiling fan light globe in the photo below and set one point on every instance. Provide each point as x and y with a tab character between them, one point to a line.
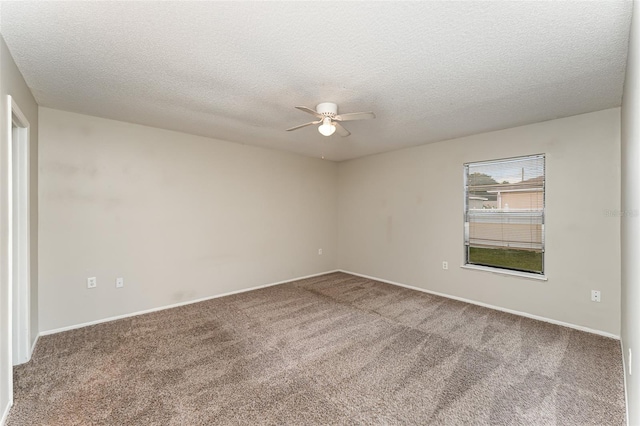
326	128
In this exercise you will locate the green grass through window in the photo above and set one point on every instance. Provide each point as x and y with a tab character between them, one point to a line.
521	260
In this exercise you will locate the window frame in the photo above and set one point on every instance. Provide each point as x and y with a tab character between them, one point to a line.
466	245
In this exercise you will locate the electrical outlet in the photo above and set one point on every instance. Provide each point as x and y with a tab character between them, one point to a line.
319	251
630	361
92	282
119	282
595	295
445	265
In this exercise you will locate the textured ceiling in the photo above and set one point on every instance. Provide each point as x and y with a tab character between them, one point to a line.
235	70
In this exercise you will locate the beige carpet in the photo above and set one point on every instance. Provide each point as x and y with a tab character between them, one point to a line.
335	349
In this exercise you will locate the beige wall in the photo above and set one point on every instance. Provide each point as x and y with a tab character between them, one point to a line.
401	215
630	230
12	83
180	217
522	200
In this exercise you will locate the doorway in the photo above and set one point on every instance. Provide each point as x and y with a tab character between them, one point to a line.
19	219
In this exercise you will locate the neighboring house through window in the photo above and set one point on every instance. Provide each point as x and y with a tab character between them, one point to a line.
504	214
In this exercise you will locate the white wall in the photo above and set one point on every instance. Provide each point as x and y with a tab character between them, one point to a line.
401	215
631	219
180	217
12	83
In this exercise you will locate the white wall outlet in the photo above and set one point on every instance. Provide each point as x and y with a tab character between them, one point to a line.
630	361
119	282
319	251
595	295
445	265
92	282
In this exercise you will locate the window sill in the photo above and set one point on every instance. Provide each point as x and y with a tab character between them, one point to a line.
506	272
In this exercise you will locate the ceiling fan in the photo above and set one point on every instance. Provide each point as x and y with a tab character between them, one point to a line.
329	120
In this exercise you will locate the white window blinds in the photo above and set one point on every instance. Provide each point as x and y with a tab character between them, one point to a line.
504	213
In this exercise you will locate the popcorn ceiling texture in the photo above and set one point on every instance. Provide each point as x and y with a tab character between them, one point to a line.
335	349
430	70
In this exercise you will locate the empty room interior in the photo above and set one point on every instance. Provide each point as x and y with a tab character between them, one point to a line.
319	213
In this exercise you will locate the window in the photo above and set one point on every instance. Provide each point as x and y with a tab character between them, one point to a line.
504	214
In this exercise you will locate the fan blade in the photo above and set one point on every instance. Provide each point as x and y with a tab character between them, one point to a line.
355	116
341	130
303	125
310	111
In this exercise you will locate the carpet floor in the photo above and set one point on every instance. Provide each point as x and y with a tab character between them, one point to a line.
334	349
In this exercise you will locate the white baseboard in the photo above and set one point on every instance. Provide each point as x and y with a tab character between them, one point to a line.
624	375
497	308
5	414
175	305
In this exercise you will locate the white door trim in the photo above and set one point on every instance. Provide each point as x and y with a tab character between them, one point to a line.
19	220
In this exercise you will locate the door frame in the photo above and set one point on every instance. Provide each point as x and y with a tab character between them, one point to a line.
19	234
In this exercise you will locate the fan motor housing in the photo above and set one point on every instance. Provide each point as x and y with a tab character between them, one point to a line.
328	109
